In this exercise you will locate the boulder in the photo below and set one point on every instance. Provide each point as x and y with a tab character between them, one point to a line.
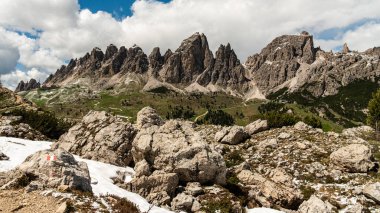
3	156
174	148
269	193
50	169
301	126
256	127
372	191
231	135
182	202
101	137
315	205
157	188
353	158
147	117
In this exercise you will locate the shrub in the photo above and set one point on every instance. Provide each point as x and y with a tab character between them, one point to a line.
277	120
313	121
45	122
122	205
217	117
271	107
180	112
222	205
233	158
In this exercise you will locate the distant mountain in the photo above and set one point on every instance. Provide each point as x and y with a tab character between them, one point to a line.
289	61
29	85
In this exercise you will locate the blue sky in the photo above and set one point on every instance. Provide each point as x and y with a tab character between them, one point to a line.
118	8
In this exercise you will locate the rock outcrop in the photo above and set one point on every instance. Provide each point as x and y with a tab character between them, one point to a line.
102	137
11	127
171	153
256	127
29	85
353	158
372	191
315	205
49	169
231	135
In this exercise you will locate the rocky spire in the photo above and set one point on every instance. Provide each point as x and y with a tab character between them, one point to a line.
32	84
188	61
345	49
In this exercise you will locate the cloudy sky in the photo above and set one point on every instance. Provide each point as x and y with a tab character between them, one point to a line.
38	36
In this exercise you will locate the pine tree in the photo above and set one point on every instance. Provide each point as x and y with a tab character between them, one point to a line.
374	111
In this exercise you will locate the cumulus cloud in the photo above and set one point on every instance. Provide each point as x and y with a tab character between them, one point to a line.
62	31
11	80
9	55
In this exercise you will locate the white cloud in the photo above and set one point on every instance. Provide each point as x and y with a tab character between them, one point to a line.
12	79
34	15
9	55
64	32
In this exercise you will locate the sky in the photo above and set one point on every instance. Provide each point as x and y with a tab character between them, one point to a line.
45	34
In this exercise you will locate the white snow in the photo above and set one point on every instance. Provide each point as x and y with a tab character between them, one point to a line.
17	150
103	172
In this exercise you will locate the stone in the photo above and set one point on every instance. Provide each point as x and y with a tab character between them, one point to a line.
51	169
301	126
194	189
231	135
100	136
63	208
256	127
3	156
142	169
267	143
315	205
269	193
158	188
372	191
147	117
284	135
182	202
176	147
353	158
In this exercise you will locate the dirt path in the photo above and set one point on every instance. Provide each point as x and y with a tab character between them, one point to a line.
19	201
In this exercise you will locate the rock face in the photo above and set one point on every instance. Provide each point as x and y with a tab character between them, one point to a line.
315	205
353	158
102	137
32	84
279	61
231	135
50	169
188	61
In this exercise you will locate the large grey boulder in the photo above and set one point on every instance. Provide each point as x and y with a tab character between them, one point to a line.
101	137
315	205
231	135
171	154
256	126
270	192
147	117
49	169
353	158
10	127
157	188
176	147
